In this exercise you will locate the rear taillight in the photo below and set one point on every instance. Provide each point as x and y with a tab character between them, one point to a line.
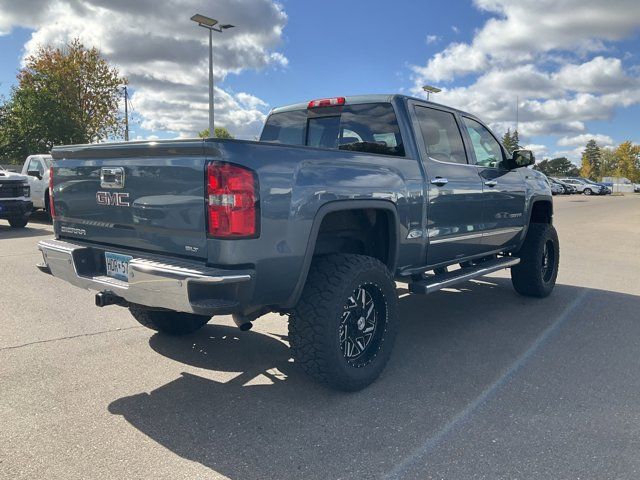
232	201
326	102
51	209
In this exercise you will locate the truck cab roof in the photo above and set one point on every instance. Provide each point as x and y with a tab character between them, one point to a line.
371	98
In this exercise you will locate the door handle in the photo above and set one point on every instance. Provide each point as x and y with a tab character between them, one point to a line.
491	183
439	181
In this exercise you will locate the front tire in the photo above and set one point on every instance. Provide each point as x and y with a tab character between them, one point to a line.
587	191
19	222
536	274
343	328
167	321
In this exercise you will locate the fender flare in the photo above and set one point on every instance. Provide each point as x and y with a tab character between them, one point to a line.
535	199
341	205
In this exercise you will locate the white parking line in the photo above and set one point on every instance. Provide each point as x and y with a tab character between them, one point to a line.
401	468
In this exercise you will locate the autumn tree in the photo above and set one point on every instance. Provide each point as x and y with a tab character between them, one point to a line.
63	96
220	132
628	161
608	162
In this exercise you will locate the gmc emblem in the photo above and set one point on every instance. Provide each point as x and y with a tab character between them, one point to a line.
119	199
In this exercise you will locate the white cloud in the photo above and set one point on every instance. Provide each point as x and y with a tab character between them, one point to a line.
523	29
164	54
432	39
538	150
553	56
581	140
250	101
600	75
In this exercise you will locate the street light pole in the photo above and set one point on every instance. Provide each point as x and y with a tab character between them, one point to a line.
211	105
210	24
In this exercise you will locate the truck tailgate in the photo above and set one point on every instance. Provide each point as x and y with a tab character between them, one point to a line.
136	200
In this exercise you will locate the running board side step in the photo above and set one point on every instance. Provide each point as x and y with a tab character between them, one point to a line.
433	283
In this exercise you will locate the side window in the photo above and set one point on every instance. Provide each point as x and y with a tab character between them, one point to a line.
285	127
35	164
486	147
441	135
371	128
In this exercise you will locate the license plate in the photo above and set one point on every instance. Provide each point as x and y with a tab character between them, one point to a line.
117	265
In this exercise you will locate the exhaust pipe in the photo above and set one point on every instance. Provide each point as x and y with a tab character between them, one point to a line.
244	321
106	298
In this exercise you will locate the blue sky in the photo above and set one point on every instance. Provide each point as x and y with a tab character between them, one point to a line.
573	65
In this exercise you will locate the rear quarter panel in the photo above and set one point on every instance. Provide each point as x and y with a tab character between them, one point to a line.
295	183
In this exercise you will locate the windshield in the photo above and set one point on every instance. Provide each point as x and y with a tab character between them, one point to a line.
370	128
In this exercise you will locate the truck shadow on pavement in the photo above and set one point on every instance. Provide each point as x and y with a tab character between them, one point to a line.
269	421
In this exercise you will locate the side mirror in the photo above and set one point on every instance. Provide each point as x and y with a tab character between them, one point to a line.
34	173
523	158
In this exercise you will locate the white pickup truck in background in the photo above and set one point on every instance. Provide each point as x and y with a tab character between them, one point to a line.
15	204
36	169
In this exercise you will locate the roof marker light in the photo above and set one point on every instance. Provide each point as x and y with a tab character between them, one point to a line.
326	102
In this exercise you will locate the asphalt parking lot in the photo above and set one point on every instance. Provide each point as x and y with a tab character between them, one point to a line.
483	383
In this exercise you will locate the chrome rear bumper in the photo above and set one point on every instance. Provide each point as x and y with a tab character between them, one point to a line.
154	281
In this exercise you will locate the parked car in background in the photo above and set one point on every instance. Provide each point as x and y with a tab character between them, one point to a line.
584	187
636	187
604	189
566	188
15	205
36	169
619	184
556	188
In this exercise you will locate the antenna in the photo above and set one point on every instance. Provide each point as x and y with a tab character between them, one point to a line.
126	114
517	110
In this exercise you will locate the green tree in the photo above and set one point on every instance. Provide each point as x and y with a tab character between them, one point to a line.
220	132
64	95
511	141
591	159
557	167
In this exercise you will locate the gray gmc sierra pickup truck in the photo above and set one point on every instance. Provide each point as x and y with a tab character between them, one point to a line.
340	199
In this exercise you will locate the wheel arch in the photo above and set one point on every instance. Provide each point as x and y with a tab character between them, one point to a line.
383	207
540	211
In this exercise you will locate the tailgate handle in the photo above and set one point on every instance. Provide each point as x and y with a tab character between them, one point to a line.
112	177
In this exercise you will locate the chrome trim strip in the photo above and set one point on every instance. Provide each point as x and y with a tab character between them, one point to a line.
487	233
500	231
455	239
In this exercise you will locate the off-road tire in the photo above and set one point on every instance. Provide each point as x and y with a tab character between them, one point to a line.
167	321
317	321
18	222
529	277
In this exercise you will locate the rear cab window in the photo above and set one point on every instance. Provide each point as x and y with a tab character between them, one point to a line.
369	128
